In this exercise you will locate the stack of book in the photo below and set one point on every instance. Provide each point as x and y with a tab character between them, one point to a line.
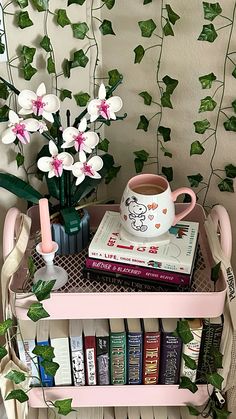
111	259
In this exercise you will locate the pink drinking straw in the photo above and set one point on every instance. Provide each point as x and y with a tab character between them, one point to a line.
47	244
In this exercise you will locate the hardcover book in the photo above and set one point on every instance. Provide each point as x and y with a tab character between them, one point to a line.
77	351
171	348
160	412
146	412
59	336
151	351
90	352
27	329
177	255
42	328
121	412
118	356
108	413
134	351
133	412
103	351
192	349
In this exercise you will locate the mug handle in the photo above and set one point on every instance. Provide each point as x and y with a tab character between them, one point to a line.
175	195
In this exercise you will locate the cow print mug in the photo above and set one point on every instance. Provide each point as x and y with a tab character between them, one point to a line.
147	209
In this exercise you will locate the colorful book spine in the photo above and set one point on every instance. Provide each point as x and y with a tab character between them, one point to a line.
171	348
192	349
134	357
90	360
151	357
47	379
118	360
103	371
77	357
26	355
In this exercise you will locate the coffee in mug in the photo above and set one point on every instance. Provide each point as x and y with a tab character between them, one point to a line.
148	189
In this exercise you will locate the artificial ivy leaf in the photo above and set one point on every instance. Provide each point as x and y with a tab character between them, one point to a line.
147	97
104	145
147	1
2	47
143	123
79	59
193	411
230	171
80	30
82	98
80	2
194	180
165	132
196	148
16	376
31	266
139	54
46	352
114	77
3	91
168	172
4	110
111	174
64	93
29	71
37	312
226	185
67	65
185	382
189	362
170	83
167	29
207	104
173	17
50	367
139	164
141	155
106	28
147	27
51	66
45	43
5	325
211	10
208	33
206	81
220	413
22	3
234	72
19	395
183	331
19	159
165	151
234	105
165	100
201	126
62	18
230	124
3	352
41	5
28	54
23	20
217	357
109	3
64	406
42	289
215	380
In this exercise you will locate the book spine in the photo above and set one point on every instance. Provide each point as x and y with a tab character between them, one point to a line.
118	360
25	349
142	272
134	361
90	360
151	357
192	349
77	356
47	380
170	358
62	357
103	371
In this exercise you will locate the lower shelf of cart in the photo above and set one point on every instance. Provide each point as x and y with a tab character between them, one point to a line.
132	395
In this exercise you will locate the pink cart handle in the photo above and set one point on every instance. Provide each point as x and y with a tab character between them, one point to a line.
10	230
222	224
189	208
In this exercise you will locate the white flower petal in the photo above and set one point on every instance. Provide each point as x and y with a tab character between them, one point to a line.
94	117
115	103
44	164
25	99
102	92
68	144
92	139
23	111
13	117
92	108
48	116
31	124
96	163
69	134
95	176
87	149
82	156
66	158
112	115
8	136
41	90
76	169
82	125
51	173
53	148
51	103
80	179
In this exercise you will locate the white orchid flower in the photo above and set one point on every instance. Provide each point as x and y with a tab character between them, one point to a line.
89	168
104	107
38	103
55	164
19	129
84	142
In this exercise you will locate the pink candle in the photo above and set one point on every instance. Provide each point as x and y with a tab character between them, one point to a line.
47	244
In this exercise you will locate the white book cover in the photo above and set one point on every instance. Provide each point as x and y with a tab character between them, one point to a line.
108	413
146	412
27	331
121	412
192	349
133	412
160	412
177	255
59	336
77	351
173	412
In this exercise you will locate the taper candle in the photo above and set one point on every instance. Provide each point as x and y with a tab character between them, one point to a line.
47	244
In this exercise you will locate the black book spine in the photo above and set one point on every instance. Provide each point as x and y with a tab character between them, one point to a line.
102	347
171	349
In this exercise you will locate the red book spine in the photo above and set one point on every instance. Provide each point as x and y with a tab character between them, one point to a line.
90	360
142	272
151	357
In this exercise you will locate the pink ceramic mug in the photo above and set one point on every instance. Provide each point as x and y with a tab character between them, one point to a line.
147	207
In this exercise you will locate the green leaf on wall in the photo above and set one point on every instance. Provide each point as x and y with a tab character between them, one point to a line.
167	29
207	104
5	325
63	406
206	81
170	83
147	27
201	126
45	43
22	3
106	27
111	174
4	110
40	5
194	180
215	380
51	66
79	59
189	362
147	1
45	352
37	312
82	98
211	10
173	17
165	151
230	171
28	54
80	2
64	93
234	105
109	3
3	91
19	395
196	148
165	100
221	413
114	77
62	18
146	97
20	159
193	411
168	173
230	124
138	164
234	72
183	331
80	30
226	185
208	33
29	71
3	352
165	132
66	66
2	47
143	123
16	376
23	20
42	289
104	145
185	382
139	54
142	155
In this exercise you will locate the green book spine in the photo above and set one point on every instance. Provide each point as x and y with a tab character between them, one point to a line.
118	358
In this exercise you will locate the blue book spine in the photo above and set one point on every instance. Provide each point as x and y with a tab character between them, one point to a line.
135	355
47	380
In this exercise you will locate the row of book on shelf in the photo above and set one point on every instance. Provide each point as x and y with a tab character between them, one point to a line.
119	351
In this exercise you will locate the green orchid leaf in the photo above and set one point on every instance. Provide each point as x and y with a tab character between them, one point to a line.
82	98
31	266
234	105
50	367
234	72
165	132
5	325
211	10
29	71
40	5
168	173
230	124
111	174
185	382
89	185
45	352
4	93
64	406
106	28
196	148
183	331
16	376
139	164
207	80
2	47
80	2
3	352
104	145
230	171
165	100
201	126
147	97
19	188
217	357
114	77
173	17
79	59
147	27
4	110
141	155
28	54
53	187
51	66
42	289
167	29
23	20
143	123
20	159
147	1
194	180
109	3
19	395
139	52
22	3
170	83
64	93
221	413
215	380
189	362
208	33
80	30
207	104
226	185
37	312
62	18
45	43
193	411
66	66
